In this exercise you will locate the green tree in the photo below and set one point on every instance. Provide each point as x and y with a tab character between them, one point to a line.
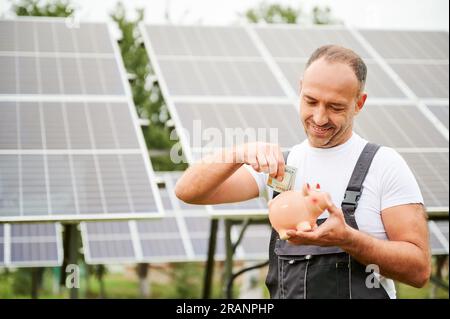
59	8
146	92
323	16
273	13
187	280
276	13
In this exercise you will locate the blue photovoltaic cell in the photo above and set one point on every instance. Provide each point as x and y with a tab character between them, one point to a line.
431	171
441	112
439	237
32	245
57	36
379	124
296	42
60	76
398	44
118	186
202	41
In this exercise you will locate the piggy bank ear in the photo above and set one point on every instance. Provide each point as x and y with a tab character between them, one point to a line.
328	200
306	189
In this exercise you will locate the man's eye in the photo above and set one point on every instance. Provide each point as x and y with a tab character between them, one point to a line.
311	102
337	108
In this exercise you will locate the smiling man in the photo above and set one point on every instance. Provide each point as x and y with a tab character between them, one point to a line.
374	231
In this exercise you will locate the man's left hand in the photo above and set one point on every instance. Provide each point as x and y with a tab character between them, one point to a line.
333	232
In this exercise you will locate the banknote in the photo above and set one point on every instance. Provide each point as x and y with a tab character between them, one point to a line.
287	183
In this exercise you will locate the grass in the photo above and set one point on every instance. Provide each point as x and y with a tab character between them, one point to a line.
183	281
408	292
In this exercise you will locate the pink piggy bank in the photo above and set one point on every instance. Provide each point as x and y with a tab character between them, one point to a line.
297	210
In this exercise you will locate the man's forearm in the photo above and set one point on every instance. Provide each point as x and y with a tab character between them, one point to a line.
202	179
398	260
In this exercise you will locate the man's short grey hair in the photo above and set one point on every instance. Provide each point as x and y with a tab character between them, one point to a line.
336	53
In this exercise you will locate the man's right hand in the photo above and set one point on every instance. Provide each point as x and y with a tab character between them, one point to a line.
263	157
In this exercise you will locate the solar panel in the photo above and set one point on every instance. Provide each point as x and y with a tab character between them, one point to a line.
228	73
441	112
379	124
70	144
398	44
288	42
431	171
443	228
2	245
236	121
219	78
419	58
378	85
291	47
33	125
182	235
427	80
439	237
30	245
202	41
24	35
108	241
60	75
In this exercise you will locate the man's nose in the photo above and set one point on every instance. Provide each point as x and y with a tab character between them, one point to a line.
320	116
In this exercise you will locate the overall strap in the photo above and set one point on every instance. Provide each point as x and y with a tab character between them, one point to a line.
354	187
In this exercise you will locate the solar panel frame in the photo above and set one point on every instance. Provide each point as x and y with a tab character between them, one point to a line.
126	97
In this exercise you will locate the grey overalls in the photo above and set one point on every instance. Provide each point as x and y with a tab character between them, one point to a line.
307	271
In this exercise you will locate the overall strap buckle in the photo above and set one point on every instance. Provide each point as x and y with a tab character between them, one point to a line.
351	198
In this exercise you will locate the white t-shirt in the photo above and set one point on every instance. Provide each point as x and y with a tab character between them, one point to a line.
388	183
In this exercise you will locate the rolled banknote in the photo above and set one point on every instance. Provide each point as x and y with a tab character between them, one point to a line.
288	180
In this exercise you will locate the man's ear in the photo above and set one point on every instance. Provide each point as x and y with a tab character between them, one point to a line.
360	103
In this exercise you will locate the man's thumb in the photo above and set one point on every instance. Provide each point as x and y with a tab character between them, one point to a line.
332	209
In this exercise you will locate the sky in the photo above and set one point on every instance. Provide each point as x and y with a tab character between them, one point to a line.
379	14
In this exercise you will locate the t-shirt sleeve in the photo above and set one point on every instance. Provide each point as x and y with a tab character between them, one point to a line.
398	184
260	179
